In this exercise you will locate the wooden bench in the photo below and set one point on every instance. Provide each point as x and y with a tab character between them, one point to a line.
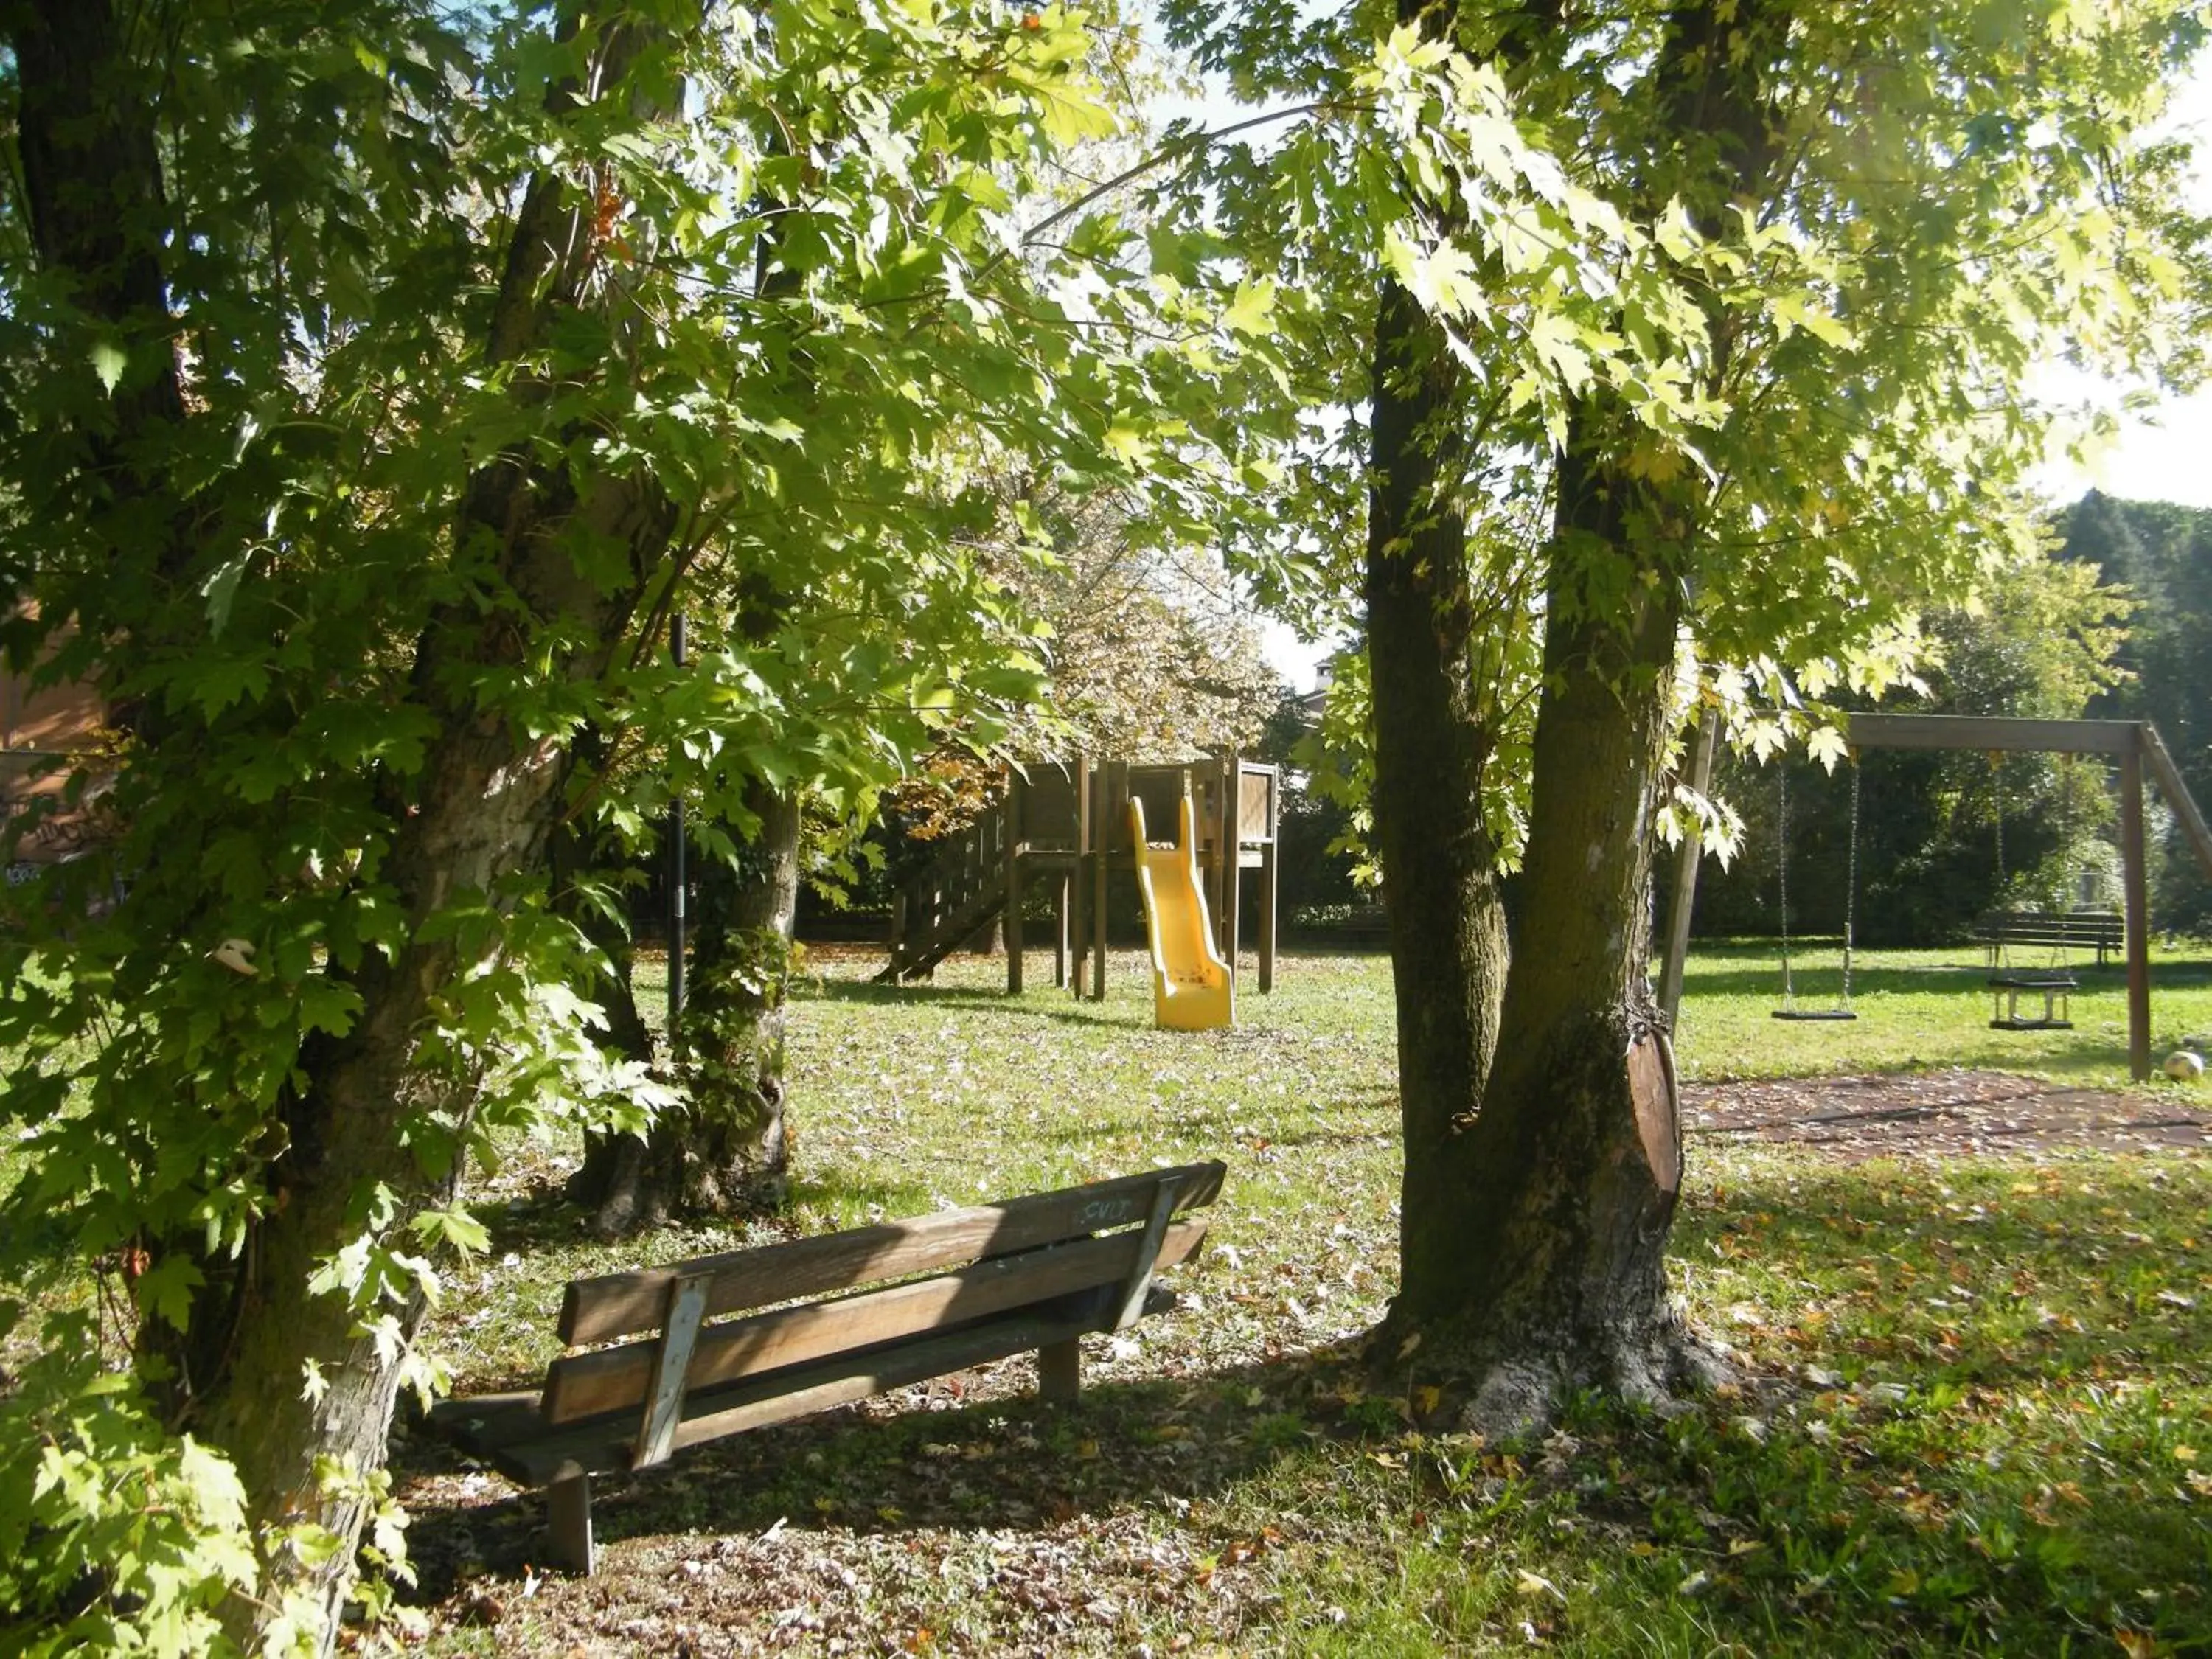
1035	1272
2101	931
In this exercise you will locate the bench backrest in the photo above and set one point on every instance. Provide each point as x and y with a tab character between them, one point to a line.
2050	928
1000	1256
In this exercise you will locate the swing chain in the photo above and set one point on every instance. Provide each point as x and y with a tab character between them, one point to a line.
1996	800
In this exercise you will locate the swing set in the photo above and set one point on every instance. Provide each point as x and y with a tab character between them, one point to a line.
2136	748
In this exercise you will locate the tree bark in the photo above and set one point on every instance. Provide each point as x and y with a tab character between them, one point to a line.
1545	1267
725	1151
1432	741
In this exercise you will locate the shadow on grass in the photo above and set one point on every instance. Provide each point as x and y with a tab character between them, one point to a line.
1820	962
924	1458
1064	1009
1221	1128
1819	973
545	1218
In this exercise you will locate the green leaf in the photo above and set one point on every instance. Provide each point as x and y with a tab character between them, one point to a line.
109	363
455	1227
1253	311
221	589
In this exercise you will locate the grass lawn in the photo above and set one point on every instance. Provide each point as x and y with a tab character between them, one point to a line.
1923	1008
1976	1413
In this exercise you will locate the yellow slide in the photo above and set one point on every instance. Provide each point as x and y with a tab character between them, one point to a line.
1192	990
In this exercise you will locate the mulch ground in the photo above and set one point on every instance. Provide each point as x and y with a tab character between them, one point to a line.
1947	1114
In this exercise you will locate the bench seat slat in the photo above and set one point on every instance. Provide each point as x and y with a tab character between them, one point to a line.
615	1305
605	1444
582	1386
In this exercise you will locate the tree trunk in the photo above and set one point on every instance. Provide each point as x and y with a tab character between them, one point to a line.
1545	1267
1543	1144
725	1151
1432	741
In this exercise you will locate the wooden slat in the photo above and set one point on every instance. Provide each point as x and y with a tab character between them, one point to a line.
667	1367
603	1444
584	1385
1971	732
622	1304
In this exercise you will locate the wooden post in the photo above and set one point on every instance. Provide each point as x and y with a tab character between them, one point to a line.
1115	804
1060	1371
569	1522
1223	877
1079	889
2134	892
1685	875
1232	849
676	880
1270	892
1060	931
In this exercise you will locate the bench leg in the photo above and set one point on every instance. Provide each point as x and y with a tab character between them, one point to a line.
1059	1371
568	1520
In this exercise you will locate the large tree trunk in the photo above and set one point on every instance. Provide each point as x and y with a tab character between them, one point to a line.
1544	1265
725	1151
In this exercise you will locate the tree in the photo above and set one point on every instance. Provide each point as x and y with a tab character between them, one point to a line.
1742	298
381	379
2161	554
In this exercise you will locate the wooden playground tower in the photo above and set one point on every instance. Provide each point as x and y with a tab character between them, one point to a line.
1067	823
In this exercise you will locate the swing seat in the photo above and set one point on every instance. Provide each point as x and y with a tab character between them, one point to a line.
2006	990
1811	1013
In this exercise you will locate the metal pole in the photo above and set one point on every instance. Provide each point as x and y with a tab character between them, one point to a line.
676	876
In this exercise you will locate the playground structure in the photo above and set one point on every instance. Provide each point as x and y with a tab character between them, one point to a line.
1068	823
45	731
1193	988
2136	746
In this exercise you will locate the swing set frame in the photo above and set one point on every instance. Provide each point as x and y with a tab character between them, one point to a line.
2134	745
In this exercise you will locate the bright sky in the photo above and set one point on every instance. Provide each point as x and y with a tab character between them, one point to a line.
2164	456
